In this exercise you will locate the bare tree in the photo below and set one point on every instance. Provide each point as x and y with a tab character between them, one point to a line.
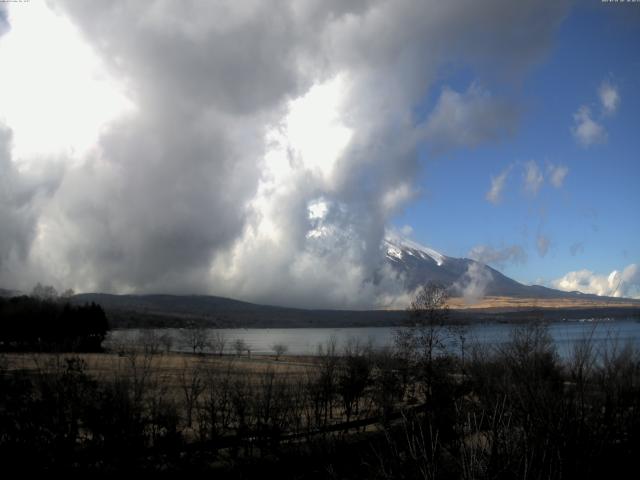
196	338
192	385
428	313
44	292
279	349
239	345
419	343
215	412
140	370
459	331
325	380
354	375
149	341
218	342
166	341
67	294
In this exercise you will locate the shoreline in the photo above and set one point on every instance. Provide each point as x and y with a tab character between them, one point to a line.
125	320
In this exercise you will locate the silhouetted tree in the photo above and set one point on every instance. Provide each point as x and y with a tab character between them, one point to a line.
422	340
218	342
196	338
279	349
240	346
44	292
34	323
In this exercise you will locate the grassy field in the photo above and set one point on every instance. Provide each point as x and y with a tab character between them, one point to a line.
103	365
513	412
529	303
176	375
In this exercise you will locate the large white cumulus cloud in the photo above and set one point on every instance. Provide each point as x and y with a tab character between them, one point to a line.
270	143
616	284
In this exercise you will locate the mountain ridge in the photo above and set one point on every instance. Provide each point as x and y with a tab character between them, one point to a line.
418	264
164	310
478	292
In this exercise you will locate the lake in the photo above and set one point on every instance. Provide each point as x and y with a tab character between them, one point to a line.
305	341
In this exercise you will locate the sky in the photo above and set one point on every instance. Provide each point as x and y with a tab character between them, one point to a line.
263	150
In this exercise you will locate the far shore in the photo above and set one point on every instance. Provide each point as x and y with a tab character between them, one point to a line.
491	311
516	303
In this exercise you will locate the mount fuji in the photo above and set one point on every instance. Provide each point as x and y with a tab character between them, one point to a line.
464	277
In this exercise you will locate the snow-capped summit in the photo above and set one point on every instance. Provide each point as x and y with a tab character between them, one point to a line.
419	264
397	246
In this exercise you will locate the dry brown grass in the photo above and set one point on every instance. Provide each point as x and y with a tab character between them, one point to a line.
528	303
169	367
100	362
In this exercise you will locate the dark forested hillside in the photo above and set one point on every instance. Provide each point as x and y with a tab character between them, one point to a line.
140	311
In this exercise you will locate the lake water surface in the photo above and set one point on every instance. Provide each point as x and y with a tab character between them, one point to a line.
304	341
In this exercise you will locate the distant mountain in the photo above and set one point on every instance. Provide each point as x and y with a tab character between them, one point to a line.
180	310
419	264
142	311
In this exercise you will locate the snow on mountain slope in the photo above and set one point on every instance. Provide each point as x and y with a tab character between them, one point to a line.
397	246
466	277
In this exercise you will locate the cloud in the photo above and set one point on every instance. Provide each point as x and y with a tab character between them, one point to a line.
212	184
406	230
576	248
615	284
494	195
586	130
542	244
498	257
4	20
468	119
609	97
473	284
23	194
557	174
533	178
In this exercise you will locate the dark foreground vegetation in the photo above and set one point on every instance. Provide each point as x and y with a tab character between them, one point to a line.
414	411
36	324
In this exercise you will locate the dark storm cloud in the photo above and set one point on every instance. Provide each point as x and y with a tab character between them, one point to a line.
4	20
234	57
22	195
173	181
158	202
17	225
177	197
